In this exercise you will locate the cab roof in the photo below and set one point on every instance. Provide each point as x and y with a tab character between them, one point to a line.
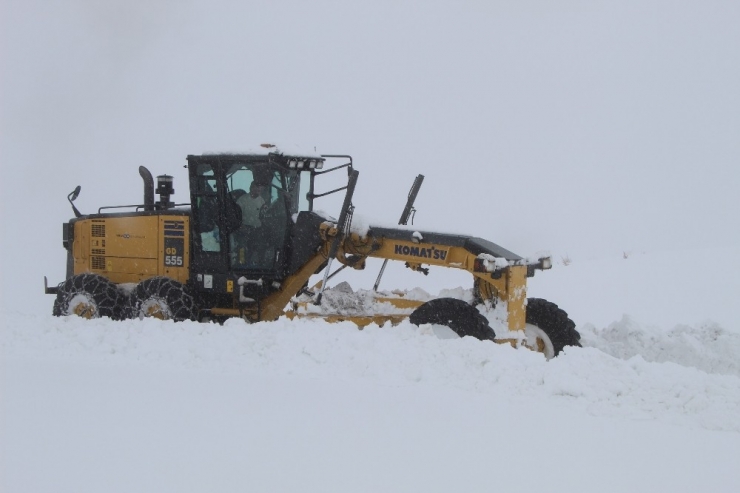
265	150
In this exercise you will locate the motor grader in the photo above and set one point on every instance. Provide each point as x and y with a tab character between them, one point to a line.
249	240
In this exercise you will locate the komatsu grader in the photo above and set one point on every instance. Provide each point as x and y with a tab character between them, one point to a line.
249	240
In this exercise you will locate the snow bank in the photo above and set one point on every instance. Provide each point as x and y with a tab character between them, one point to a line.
662	289
586	380
707	346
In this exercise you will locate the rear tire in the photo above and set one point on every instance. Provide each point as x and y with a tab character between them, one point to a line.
163	298
89	296
546	321
456	314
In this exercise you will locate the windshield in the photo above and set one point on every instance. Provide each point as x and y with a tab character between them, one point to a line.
258	195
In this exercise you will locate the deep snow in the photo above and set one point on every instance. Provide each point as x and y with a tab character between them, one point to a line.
308	406
572	126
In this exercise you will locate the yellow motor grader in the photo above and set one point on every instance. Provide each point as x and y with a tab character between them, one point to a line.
249	240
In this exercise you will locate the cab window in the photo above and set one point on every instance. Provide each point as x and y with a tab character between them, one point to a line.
206	209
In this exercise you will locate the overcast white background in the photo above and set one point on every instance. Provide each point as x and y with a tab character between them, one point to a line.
582	128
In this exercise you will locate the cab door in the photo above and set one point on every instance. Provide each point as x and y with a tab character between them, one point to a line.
258	243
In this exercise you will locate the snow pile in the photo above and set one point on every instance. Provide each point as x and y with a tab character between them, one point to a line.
341	299
586	380
707	346
660	289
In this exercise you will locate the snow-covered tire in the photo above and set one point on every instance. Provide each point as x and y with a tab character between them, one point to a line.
89	296
547	322
163	298
456	314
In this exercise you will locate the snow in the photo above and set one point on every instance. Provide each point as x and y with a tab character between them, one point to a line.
579	127
325	215
268	148
148	405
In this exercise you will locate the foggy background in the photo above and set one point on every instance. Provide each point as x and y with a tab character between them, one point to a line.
580	128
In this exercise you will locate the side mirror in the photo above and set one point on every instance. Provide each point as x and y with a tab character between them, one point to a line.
75	193
72	197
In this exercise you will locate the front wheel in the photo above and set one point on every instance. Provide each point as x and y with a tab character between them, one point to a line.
456	314
548	327
89	296
162	298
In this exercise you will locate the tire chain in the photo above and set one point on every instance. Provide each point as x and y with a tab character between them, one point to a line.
108	298
173	293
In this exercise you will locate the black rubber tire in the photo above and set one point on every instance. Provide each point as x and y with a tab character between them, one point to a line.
456	314
165	291
104	296
554	322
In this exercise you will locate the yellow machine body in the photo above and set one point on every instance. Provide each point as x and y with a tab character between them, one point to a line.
129	249
132	248
510	287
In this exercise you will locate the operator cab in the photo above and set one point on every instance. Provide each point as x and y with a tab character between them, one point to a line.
251	214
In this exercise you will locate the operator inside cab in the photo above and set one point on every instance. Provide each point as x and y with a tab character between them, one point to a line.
260	237
249	239
252	205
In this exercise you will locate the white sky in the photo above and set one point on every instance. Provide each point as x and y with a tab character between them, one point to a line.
579	128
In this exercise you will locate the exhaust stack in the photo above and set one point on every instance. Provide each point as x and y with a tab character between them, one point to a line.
148	188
